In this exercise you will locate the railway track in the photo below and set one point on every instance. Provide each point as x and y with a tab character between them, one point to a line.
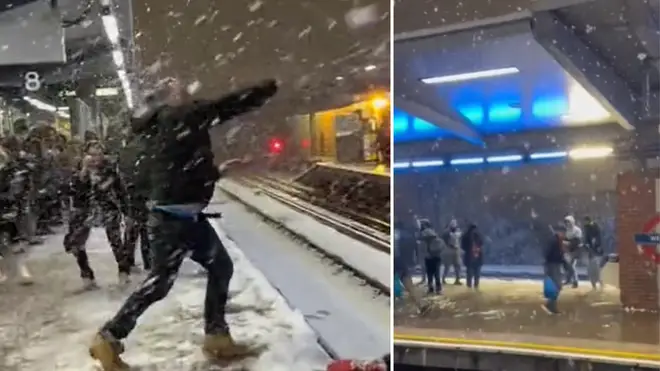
310	195
297	199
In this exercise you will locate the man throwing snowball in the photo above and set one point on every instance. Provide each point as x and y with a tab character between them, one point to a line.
182	176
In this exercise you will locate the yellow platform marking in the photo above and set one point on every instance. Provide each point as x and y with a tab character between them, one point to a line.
534	347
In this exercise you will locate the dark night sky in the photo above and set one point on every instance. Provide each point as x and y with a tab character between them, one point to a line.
216	43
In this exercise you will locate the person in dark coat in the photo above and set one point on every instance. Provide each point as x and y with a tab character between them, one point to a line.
554	261
472	245
181	180
133	164
431	248
97	184
595	252
405	246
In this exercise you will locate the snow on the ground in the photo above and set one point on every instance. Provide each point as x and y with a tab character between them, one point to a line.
48	326
371	262
350	317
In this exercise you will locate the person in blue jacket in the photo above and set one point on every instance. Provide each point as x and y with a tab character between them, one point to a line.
554	260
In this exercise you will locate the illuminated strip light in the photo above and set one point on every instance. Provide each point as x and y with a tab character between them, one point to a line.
507	158
548	155
46	107
400	165
428	163
111	28
471	76
100	92
590	152
112	32
467	161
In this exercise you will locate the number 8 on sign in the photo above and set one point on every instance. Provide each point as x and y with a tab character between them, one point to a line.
32	81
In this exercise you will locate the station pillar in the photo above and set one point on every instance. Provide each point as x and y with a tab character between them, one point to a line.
84	110
638	205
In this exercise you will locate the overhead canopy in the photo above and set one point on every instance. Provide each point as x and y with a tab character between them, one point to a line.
88	51
583	64
309	46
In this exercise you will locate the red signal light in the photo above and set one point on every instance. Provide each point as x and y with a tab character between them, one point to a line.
275	146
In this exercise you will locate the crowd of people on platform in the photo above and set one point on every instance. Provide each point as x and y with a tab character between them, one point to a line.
155	188
452	251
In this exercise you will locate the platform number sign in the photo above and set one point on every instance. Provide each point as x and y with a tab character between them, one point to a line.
32	81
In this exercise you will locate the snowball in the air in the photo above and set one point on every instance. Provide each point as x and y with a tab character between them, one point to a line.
194	87
362	16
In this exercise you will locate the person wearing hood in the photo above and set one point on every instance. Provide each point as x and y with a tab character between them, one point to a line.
451	256
573	245
472	245
404	261
431	249
181	180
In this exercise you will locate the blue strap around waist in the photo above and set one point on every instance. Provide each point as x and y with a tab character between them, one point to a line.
187	211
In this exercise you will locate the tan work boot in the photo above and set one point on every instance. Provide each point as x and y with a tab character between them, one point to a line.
24	274
222	346
107	354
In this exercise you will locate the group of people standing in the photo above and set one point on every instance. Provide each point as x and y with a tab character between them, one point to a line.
46	180
453	250
440	254
568	246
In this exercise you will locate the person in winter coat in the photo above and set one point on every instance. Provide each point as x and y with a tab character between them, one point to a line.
404	261
431	248
472	245
97	183
26	172
593	244
451	256
573	250
133	164
554	260
10	193
181	179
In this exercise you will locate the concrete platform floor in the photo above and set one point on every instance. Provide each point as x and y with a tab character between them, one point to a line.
510	311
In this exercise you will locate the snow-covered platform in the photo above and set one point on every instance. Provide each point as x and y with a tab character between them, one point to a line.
352	319
47	326
371	262
504	322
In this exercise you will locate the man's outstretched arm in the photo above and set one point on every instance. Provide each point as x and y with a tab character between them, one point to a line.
236	103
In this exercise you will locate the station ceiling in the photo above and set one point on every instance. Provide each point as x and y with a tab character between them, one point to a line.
317	54
580	64
87	48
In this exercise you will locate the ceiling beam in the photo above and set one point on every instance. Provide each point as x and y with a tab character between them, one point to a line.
493	22
545	5
596	75
446	121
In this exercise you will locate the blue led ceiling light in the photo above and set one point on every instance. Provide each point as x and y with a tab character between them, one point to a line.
471	76
467	161
400	165
505	158
428	163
